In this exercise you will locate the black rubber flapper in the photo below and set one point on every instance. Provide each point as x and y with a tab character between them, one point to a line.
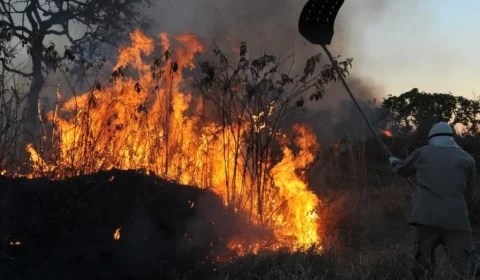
317	20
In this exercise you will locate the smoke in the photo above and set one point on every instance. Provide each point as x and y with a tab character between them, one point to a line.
272	26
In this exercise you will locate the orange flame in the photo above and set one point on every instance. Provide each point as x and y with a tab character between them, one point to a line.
301	217
153	123
116	235
387	133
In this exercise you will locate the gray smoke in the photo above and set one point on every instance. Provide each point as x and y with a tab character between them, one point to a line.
272	25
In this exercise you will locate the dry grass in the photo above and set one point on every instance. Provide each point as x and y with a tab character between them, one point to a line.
367	237
12	109
365	228
392	263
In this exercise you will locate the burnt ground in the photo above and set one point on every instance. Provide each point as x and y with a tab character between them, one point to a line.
66	228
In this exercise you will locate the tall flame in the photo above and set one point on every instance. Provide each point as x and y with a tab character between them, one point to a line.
301	216
154	122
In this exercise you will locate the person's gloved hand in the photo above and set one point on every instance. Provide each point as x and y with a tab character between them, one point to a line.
394	161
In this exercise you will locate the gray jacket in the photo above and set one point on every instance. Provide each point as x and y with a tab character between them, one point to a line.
445	186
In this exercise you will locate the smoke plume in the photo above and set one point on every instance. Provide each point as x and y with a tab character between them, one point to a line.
272	26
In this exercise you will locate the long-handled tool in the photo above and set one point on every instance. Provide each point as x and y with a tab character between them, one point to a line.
316	25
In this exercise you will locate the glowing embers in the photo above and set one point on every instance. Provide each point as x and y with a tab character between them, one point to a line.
15	243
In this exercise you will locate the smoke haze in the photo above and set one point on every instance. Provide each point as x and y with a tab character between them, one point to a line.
272	25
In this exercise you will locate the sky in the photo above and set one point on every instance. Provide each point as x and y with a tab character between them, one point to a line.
396	44
435	48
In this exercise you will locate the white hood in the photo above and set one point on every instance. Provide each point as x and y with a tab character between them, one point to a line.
441	135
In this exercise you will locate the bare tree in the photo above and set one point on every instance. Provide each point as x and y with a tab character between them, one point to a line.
26	25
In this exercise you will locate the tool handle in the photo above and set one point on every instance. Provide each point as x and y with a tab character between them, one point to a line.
377	137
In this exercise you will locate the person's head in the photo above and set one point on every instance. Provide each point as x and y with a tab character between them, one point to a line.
441	134
440	129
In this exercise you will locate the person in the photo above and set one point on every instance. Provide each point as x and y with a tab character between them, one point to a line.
440	205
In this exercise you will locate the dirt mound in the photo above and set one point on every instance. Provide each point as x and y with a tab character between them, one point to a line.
66	228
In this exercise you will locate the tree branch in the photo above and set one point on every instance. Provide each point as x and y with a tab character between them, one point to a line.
26	75
16	28
55	32
28	12
36	14
58	18
62	16
6	13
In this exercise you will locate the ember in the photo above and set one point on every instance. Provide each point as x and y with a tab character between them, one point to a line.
152	123
387	133
15	243
116	235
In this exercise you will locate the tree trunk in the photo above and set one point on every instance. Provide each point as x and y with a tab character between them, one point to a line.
31	118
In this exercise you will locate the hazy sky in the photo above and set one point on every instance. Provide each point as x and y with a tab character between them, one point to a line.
435	48
396	44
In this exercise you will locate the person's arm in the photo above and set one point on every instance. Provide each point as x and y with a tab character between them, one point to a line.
407	168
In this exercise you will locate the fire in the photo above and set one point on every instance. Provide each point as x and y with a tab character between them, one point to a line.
387	133
37	161
301	216
116	235
152	121
15	243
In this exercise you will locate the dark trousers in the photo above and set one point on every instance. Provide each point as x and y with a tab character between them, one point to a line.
457	244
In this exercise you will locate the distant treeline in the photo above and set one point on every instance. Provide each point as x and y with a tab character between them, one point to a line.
415	110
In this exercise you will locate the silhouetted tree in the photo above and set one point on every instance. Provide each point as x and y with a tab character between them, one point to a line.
420	110
27	25
467	113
